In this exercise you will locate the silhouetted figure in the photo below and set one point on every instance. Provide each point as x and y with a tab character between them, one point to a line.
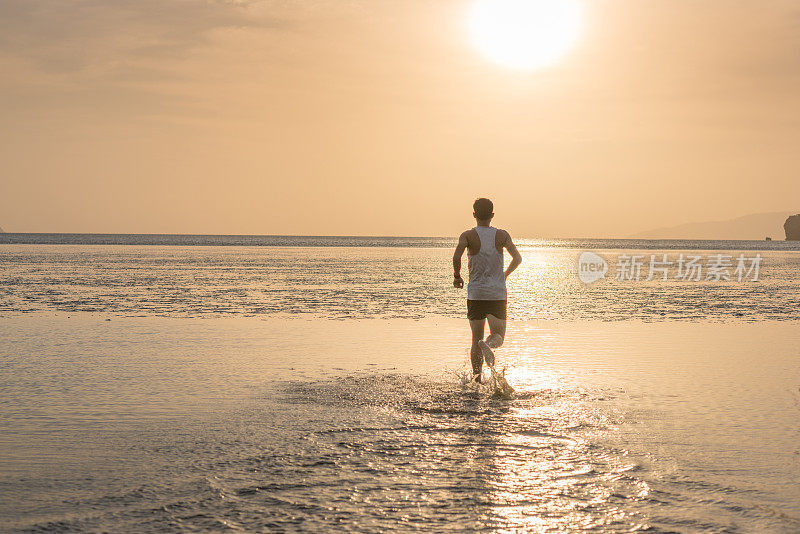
486	291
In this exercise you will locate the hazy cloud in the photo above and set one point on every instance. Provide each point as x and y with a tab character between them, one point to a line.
65	36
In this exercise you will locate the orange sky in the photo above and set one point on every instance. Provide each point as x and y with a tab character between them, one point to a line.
379	117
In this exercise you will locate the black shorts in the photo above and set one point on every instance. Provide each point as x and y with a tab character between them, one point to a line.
477	309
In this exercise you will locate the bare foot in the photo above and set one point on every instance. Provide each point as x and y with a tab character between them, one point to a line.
488	355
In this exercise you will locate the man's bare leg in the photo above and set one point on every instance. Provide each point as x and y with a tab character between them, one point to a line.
497	327
475	352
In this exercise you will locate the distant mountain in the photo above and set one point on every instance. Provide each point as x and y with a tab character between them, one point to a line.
757	226
792	228
1	230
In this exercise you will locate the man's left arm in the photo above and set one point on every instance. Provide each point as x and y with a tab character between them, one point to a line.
458	282
516	257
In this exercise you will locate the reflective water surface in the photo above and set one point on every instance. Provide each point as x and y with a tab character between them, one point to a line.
152	424
378	281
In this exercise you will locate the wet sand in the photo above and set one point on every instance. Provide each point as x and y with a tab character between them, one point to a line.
161	424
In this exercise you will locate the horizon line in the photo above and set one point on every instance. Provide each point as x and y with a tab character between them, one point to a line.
364	236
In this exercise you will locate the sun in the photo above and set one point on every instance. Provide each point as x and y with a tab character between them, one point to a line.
525	34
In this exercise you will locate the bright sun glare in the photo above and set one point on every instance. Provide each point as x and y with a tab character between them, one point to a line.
525	34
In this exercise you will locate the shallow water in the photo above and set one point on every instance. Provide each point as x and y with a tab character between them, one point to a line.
153	424
316	387
358	282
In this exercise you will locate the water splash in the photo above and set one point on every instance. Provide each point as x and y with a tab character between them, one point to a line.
494	384
498	384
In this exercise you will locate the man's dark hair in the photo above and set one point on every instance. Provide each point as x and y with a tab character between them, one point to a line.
483	208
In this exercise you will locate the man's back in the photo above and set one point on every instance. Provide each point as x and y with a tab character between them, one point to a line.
474	241
487	280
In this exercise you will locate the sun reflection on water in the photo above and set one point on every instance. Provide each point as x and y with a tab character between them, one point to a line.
547	471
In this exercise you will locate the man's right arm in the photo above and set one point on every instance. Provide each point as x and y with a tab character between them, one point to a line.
516	257
458	282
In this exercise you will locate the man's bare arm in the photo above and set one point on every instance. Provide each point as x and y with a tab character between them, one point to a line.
516	257
458	282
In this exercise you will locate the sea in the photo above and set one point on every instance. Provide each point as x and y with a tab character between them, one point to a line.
194	383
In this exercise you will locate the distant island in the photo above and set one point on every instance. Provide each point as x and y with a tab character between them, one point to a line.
792	228
757	226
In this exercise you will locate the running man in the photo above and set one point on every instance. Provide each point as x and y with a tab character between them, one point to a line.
486	292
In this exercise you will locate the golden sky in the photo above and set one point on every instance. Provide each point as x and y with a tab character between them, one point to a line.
380	117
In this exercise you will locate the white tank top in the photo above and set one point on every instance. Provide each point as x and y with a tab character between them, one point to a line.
486	278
